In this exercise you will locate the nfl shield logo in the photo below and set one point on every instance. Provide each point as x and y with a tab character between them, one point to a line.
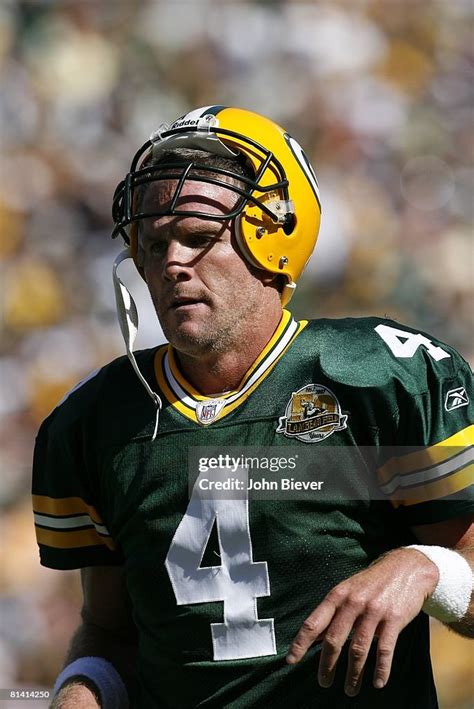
207	411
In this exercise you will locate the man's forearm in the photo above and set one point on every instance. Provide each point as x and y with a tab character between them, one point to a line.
90	640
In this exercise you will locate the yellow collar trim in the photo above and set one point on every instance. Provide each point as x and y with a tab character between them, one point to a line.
204	409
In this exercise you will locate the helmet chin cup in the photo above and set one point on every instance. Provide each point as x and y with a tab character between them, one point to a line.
127	315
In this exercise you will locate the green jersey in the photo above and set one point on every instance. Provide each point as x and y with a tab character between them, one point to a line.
221	578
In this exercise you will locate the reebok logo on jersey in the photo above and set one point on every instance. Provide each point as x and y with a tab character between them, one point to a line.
455	398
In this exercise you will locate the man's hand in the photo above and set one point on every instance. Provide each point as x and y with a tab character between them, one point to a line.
75	696
377	602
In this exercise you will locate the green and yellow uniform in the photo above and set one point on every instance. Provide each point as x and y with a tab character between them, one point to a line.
216	612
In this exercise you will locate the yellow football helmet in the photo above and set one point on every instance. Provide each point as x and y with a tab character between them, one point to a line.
278	212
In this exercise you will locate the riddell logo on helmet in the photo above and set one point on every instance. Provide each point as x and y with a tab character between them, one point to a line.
187	122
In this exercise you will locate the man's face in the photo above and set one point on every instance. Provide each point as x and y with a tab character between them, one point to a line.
202	289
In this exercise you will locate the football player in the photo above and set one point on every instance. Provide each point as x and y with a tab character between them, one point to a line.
215	599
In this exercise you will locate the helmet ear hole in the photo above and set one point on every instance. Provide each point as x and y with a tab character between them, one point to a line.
289	225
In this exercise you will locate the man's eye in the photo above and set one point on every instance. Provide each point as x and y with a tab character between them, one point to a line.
157	247
200	240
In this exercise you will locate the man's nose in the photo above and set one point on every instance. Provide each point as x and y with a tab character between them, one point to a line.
177	263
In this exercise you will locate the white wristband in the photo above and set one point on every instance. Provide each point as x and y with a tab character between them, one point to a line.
110	686
450	599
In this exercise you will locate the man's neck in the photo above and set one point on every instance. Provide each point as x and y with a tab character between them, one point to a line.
214	373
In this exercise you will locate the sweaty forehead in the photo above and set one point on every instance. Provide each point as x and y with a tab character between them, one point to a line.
194	196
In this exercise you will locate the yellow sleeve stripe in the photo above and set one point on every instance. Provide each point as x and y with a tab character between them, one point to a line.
64	507
460	460
432	455
440	488
72	540
69	524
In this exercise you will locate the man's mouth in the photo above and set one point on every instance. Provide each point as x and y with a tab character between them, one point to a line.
184	302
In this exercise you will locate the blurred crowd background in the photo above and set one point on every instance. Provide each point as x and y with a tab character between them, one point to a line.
379	93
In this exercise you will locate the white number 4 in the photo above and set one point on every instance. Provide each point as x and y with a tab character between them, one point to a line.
405	344
238	580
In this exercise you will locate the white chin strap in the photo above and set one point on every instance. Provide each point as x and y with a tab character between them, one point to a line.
128	320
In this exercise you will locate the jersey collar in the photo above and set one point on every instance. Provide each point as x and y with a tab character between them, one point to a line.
205	410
